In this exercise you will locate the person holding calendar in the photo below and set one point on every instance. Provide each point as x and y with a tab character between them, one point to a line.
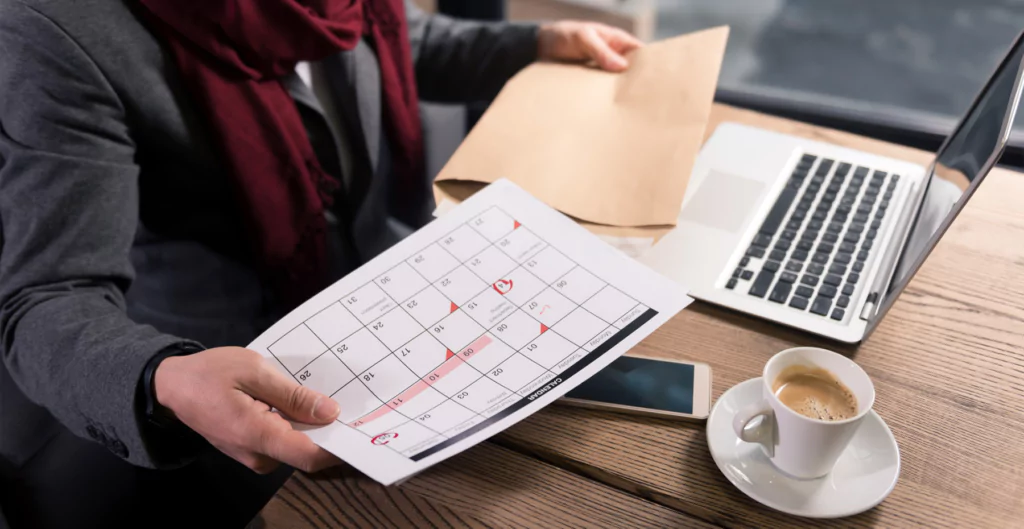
174	177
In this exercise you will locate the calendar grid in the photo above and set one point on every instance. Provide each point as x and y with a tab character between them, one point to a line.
371	320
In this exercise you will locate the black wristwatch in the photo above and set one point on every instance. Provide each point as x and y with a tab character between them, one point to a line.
152	409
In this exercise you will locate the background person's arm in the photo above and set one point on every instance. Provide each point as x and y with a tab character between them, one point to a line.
68	213
465	60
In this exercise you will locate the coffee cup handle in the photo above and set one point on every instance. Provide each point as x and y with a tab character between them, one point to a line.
764	433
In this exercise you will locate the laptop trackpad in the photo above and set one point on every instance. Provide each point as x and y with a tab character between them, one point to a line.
723	201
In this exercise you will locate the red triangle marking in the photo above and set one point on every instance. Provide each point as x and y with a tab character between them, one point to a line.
449	355
516	225
543	328
454	307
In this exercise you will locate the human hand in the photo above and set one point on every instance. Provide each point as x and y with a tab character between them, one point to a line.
226	394
575	41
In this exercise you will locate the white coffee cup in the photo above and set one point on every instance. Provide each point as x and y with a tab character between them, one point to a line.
798	445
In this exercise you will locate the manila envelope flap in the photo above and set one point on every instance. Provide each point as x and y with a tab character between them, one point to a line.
613	149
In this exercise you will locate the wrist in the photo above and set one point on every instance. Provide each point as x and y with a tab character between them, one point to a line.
158	382
546	40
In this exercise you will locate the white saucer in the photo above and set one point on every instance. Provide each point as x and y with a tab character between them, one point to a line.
864	475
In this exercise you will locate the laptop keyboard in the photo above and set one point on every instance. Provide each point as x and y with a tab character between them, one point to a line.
811	249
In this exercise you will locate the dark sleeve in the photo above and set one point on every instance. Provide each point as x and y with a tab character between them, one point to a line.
68	214
461	60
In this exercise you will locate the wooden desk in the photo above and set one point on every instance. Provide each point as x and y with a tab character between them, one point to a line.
947	363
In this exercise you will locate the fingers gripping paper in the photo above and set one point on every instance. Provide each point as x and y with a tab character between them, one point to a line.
607	148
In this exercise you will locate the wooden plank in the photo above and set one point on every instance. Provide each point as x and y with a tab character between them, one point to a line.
947	362
487	486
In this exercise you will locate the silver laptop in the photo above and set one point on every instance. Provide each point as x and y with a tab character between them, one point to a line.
821	237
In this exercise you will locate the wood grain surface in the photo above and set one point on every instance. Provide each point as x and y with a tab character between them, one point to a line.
947	363
487	486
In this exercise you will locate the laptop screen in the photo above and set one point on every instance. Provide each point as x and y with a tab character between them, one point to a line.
962	160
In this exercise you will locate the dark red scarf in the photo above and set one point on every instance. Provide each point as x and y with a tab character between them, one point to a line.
233	55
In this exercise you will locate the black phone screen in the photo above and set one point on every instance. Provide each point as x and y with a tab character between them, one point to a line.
641	383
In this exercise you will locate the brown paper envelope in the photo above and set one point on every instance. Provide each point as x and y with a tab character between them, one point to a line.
606	148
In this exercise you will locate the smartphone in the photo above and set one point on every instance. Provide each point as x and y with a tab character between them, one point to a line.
647	386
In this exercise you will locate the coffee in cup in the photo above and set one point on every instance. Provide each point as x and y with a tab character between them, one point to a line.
812	402
814	392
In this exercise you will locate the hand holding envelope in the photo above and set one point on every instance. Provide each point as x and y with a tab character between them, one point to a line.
605	148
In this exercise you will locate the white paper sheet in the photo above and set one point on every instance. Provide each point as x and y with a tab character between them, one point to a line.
464	328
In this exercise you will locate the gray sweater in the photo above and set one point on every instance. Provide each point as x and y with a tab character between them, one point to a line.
118	231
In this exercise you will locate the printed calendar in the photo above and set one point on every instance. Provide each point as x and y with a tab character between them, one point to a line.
464	328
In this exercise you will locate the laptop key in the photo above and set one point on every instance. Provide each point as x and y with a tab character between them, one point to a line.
832	279
809	235
787	277
794	266
834	227
862	255
746	275
895	178
731	284
843	208
837	269
843	169
805	245
851	237
783	245
858	266
737	272
762	240
879	214
778	212
867	244
809	280
814	225
788	235
798	303
861	218
761	284
804	205
793	225
843	258
843	302
875	224
771	266
838	314
863	209
825	247
833	187
780	293
815	269
804	292
821	306
820	258
848	289
861	172
830	237
883	204
819	215
777	255
853	278
798	215
887	195
808	158
856	227
839	217
847	247
828	291
799	255
745	261
754	251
